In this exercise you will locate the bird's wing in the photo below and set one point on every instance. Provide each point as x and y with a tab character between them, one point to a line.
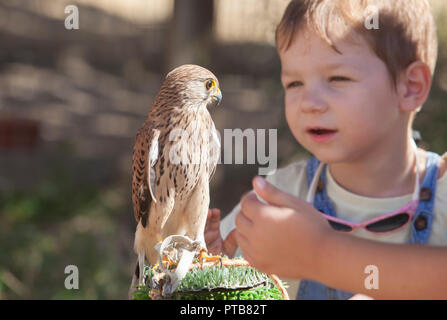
215	151
152	160
145	155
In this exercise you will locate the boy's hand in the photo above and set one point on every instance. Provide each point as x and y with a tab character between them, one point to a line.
285	237
214	242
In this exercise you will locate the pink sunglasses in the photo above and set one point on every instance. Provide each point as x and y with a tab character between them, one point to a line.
386	223
389	222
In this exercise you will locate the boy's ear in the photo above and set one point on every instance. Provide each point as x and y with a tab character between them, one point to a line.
414	86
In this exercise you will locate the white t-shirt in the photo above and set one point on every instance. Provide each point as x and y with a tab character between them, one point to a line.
352	207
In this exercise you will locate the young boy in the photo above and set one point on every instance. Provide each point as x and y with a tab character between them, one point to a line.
351	94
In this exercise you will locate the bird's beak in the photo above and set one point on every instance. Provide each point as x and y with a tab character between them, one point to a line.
217	97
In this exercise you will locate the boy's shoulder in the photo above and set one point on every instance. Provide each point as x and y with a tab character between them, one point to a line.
292	168
441	185
443	165
292	176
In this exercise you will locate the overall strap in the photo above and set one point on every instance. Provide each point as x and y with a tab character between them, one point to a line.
308	289
423	219
321	201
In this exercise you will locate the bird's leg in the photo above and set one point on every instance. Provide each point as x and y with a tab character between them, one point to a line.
205	257
196	219
141	266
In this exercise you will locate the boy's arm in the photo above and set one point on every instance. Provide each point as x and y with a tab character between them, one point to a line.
266	232
403	271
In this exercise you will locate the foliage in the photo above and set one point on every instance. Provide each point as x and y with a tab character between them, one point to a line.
59	223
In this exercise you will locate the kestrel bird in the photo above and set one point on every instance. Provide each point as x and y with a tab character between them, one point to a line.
174	157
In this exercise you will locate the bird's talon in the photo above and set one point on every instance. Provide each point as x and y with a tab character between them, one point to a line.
204	257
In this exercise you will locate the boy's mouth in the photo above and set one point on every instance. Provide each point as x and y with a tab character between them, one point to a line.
319	134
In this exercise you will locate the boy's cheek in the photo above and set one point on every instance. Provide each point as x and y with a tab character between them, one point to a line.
292	122
291	107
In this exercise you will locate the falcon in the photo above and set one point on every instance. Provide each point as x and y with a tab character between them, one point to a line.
174	157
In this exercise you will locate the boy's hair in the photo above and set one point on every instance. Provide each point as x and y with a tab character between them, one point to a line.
406	32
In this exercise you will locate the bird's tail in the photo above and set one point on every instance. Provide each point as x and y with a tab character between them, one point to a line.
135	281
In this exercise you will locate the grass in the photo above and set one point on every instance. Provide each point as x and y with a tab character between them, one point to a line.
219	283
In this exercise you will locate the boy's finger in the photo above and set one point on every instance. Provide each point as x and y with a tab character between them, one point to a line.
243	224
248	258
250	205
213	212
241	240
244	244
213	217
211	235
210	214
273	195
230	243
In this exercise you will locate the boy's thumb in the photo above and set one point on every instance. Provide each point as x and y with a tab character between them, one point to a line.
273	195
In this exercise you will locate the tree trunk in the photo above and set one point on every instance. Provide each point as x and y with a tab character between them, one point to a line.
191	33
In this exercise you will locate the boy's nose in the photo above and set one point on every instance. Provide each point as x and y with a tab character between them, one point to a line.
313	101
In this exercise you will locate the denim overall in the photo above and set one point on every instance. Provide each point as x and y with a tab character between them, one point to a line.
420	225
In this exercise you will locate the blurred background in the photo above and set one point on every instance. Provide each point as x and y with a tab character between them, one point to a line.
71	102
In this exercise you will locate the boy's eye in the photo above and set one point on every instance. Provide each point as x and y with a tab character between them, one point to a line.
294	84
339	78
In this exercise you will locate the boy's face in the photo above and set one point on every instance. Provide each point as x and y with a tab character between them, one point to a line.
349	94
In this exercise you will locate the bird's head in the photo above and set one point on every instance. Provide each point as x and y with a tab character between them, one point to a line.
194	85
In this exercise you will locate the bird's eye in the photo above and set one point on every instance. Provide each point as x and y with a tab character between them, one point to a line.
209	84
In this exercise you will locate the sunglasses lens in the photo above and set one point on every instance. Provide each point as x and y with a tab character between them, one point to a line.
390	223
340	226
